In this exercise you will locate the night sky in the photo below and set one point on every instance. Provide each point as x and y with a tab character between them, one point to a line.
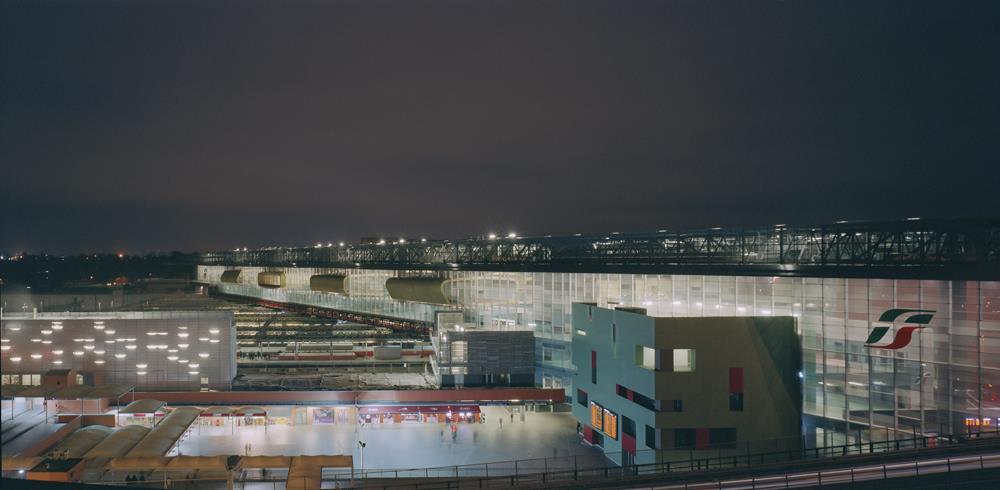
171	125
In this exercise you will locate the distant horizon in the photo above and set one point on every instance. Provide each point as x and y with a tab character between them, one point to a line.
190	125
501	234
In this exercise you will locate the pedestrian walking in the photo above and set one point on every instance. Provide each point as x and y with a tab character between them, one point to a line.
501	422
512	417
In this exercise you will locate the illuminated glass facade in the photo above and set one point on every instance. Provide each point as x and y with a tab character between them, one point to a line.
944	381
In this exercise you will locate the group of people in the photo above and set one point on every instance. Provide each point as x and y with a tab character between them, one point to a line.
134	478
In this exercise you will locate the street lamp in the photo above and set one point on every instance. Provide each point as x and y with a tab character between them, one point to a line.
362	458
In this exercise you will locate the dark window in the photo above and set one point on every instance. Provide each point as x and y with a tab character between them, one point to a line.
621	391
736	402
643	401
650	437
736	389
581	397
722	438
671	406
593	367
628	426
598	439
684	438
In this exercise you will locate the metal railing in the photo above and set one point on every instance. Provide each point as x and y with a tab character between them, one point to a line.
936	249
862	472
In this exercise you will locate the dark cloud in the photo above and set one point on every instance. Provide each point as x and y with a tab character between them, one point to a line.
205	125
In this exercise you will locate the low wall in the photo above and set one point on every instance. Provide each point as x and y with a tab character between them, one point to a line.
556	395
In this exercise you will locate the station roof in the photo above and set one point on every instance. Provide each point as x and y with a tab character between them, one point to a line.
165	434
118	443
147	405
82	441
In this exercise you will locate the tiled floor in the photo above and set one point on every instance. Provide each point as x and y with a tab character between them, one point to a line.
538	435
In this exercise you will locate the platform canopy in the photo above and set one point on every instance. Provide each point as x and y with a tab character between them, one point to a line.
138	463
250	410
198	462
20	462
10	391
265	461
147	405
39	391
108	391
72	392
217	412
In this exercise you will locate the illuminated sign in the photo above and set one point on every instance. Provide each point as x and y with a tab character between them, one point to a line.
905	333
976	422
596	416
611	424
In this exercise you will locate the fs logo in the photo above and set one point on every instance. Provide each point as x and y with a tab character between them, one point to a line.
905	333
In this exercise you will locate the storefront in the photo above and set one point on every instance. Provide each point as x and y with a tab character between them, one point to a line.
401	414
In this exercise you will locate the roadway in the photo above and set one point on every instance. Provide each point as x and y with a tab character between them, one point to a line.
850	475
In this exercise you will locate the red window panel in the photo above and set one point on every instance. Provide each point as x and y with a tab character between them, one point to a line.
735	380
588	434
628	444
631	395
701	438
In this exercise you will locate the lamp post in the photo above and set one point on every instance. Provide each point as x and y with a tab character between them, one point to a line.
362	444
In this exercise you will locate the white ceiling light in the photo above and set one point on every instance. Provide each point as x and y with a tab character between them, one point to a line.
171	358
213	331
15	359
99	352
203	355
141	373
140	366
46	332
182	346
57	352
130	347
78	353
120	356
99	361
36	356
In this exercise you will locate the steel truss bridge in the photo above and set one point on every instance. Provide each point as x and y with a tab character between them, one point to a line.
924	249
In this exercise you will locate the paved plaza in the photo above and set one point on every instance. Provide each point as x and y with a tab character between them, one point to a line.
416	445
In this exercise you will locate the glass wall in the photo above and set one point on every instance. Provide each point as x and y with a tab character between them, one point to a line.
944	381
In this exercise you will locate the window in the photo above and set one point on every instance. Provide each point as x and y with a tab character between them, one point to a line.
736	389
593	367
722	438
611	424
683	360
736	402
645	358
581	397
628	426
651	437
598	439
596	416
671	405
684	438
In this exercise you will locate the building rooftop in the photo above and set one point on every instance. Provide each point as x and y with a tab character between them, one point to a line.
966	249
